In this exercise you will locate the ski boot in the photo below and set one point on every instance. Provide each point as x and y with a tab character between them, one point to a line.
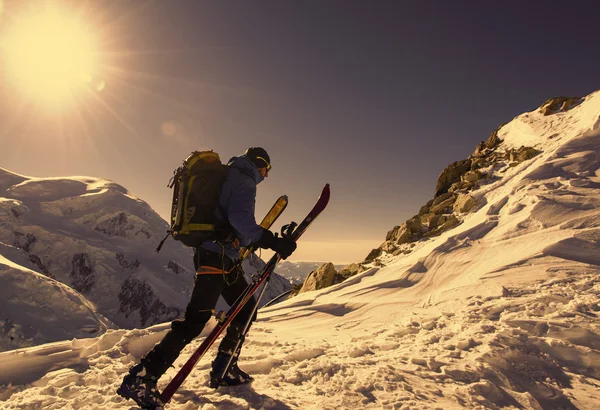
141	388
234	376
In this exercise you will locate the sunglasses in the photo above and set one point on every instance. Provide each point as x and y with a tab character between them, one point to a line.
266	162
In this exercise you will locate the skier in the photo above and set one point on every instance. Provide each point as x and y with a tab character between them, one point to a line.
216	275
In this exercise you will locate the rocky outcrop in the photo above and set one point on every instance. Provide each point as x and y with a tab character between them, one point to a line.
318	279
452	174
137	296
325	276
349	270
25	242
559	104
83	277
454	197
175	267
127	265
117	225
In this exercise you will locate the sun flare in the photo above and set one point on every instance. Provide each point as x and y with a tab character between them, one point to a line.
51	55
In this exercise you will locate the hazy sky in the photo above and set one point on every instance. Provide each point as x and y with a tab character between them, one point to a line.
374	97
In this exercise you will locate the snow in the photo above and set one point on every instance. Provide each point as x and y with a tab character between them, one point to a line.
499	312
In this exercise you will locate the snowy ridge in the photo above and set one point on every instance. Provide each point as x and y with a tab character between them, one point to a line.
500	312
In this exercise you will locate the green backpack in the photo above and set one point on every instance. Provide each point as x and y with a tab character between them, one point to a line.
196	188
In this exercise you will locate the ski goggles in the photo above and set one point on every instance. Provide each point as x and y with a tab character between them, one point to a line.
266	162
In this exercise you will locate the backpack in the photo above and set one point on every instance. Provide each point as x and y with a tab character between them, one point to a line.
196	189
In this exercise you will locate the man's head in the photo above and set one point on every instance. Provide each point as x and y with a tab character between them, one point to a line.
260	158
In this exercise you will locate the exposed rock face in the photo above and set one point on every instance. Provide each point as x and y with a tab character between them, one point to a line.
325	276
127	265
559	104
373	254
137	296
83	277
321	278
175	267
349	271
464	203
451	175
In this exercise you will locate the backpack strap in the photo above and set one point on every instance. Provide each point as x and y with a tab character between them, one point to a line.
160	245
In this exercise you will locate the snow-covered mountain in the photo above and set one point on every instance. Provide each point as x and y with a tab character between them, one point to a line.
99	239
499	311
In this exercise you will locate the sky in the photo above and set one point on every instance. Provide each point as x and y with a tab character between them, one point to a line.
375	98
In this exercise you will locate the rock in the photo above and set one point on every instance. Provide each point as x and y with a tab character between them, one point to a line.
350	270
464	203
472	176
461	186
441	199
479	150
320	278
523	154
444	207
402	235
137	296
436	221
559	104
373	254
493	140
426	219
450	175
83	276
425	208
388	247
130	266
117	225
414	225
450	223
175	267
442	223
479	163
393	233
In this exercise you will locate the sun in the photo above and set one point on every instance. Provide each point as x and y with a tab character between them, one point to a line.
51	55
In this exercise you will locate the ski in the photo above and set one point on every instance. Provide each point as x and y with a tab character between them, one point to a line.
278	298
269	219
294	232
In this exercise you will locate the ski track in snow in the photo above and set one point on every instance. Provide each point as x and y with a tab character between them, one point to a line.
500	312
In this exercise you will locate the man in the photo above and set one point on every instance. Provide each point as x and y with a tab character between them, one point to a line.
215	276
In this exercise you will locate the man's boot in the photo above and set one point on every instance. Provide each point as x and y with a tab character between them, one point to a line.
234	375
140	386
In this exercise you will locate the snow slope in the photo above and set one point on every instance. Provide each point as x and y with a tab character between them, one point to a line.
499	312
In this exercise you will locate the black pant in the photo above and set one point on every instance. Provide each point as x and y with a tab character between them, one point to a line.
207	289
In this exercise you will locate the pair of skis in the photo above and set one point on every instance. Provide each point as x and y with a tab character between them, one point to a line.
293	232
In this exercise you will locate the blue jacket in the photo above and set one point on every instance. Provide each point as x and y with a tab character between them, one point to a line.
236	205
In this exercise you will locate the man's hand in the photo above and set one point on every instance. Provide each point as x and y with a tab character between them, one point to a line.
283	246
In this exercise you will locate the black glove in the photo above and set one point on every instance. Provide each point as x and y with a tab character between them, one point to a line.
283	246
